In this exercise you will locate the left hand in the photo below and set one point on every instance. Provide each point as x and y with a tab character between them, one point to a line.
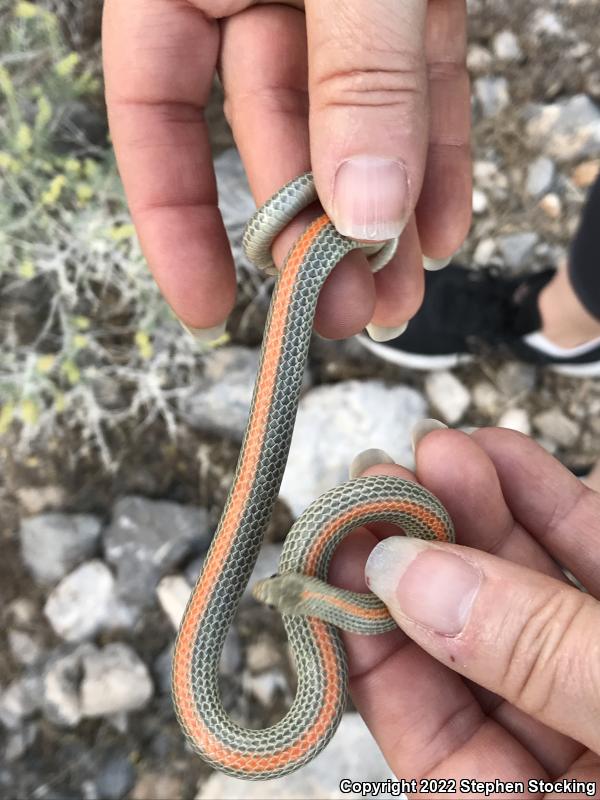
375	93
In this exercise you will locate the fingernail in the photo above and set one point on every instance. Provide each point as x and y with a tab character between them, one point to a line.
380	334
434	264
371	198
206	335
422	583
366	459
422	428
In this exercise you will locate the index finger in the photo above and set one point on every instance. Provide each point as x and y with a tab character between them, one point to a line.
159	60
559	511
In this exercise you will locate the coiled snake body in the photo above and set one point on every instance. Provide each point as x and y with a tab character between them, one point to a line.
311	608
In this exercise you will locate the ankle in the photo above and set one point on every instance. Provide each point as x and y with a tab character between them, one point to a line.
565	321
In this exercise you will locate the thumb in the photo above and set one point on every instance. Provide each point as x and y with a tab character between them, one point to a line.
529	638
368	111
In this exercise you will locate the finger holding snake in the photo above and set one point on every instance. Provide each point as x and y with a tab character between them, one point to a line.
323	83
503	492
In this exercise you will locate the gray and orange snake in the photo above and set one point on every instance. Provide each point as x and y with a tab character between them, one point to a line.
312	609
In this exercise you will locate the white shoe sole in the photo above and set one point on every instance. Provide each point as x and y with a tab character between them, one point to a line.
414	360
591	370
451	360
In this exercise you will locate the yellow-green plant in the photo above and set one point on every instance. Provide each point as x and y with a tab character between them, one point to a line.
85	338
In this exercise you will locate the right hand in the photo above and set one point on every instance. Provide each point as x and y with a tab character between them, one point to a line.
495	671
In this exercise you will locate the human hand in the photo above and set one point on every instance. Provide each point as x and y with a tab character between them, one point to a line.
386	83
500	678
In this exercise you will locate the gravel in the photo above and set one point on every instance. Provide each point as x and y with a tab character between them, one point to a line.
337	422
25	648
115	776
20	700
86	602
540	175
173	592
222	403
53	544
448	396
61	683
517	248
506	46
492	94
114	679
566	130
557	427
147	539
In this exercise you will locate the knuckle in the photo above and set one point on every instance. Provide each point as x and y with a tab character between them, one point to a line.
543	655
383	82
447	71
272	101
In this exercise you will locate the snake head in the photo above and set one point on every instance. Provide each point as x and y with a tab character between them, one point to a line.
281	592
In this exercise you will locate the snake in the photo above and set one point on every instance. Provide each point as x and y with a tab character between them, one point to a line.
313	611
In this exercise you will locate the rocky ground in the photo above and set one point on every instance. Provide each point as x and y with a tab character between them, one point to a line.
97	567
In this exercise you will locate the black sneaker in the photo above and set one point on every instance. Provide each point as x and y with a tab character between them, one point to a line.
467	313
